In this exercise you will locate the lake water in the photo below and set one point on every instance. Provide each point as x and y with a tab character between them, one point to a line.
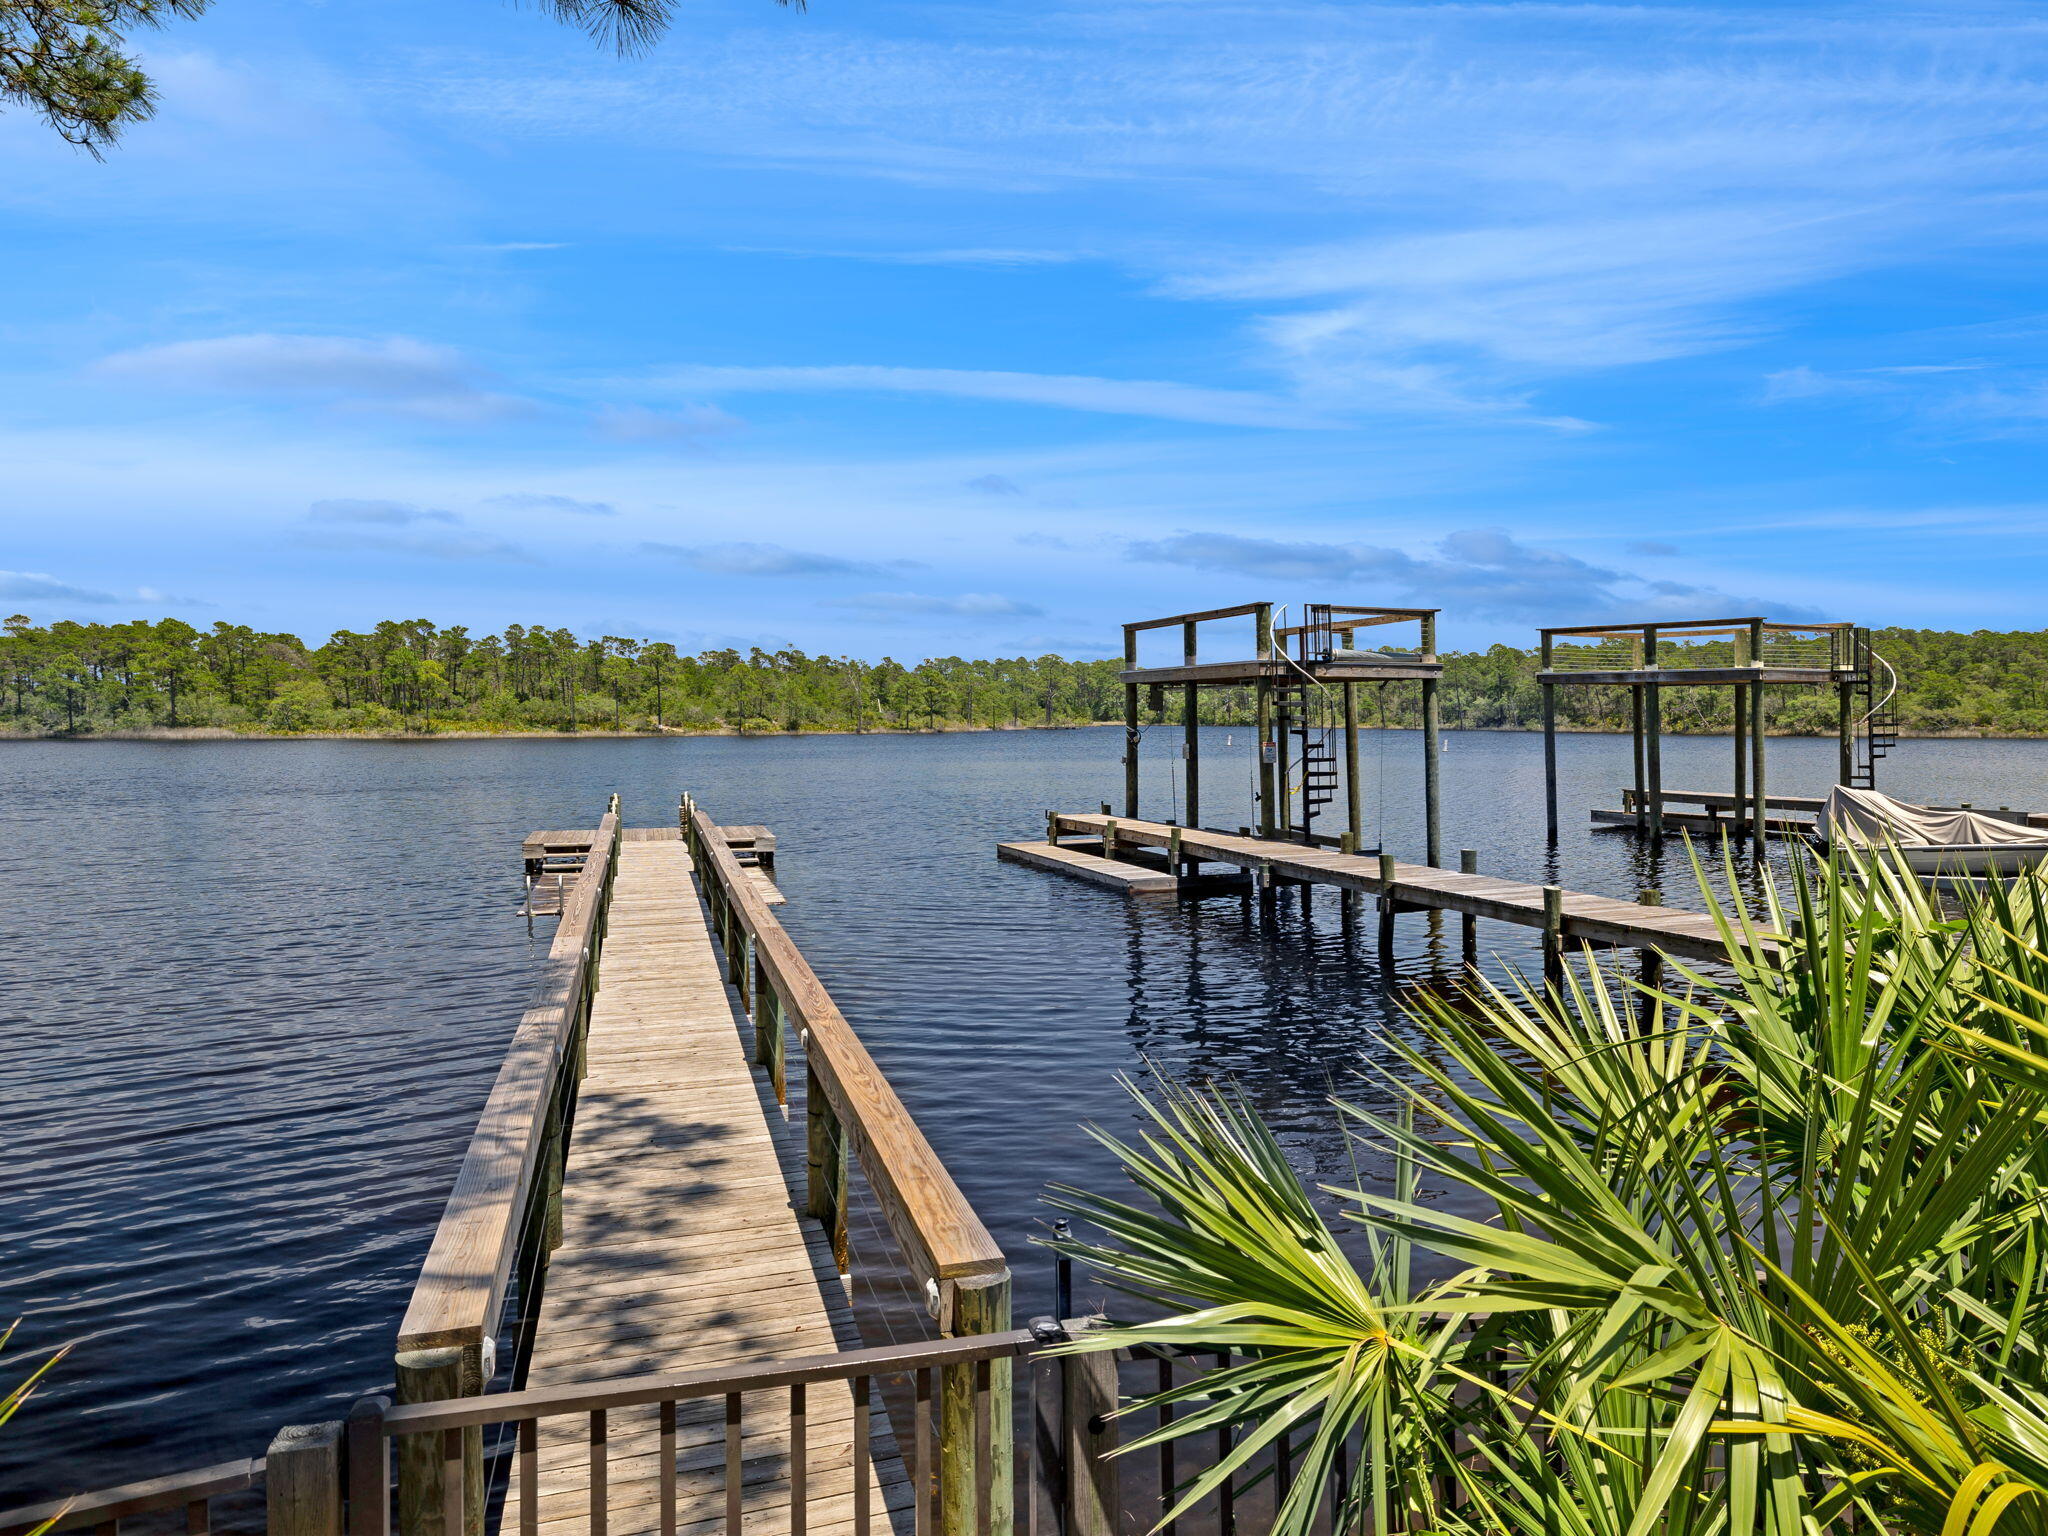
254	993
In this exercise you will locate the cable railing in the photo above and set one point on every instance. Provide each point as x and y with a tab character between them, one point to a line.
1702	648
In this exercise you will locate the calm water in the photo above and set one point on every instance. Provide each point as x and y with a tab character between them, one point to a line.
255	992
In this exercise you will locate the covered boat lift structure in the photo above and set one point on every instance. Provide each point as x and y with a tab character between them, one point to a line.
1304	679
1745	655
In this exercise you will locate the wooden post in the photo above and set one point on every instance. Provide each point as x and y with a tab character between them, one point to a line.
1845	697
980	1304
1262	694
1549	742
1386	907
1468	925
1653	741
554	1162
302	1481
1553	934
1758	794
1432	755
1052	827
769	1044
1174	860
825	1165
1740	811
1109	838
432	1376
1191	731
1354	796
1088	1398
367	1465
1653	960
1640	801
1131	730
1283	784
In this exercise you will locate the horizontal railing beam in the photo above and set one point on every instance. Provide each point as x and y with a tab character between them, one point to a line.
180	1488
682	1386
1242	610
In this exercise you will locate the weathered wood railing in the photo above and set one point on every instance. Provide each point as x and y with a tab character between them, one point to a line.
334	1479
503	1216
853	1114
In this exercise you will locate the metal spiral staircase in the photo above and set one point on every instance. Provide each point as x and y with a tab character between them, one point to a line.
1876	729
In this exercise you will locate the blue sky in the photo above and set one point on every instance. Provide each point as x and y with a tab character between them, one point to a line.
978	329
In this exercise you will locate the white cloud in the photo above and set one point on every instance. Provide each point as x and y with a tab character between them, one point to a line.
690	424
1118	397
1475	572
1519	191
387	373
767	560
391	365
967	605
450	546
536	501
40	586
384	512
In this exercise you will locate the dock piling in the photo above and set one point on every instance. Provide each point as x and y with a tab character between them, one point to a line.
1653	960
1468	925
432	1376
1432	755
1553	934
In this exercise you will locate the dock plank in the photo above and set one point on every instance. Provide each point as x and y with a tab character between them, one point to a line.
682	1243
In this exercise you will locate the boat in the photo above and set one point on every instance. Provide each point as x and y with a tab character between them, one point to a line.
1929	841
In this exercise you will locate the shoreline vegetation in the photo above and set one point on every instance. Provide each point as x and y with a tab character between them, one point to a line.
414	680
167	733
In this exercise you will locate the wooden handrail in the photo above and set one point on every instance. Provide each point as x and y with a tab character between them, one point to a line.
937	1229
461	1289
106	1504
717	1381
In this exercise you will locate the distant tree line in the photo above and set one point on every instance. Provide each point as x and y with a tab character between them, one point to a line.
414	676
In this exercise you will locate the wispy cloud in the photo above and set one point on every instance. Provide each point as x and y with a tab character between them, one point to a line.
384	512
744	559
448	546
1522	192
995	485
980	605
1480	572
41	587
392	373
537	501
688	425
953	256
1119	397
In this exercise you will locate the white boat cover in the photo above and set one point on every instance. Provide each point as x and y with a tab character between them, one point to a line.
1863	816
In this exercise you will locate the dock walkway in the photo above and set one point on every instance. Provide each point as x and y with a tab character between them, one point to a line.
1599	920
682	1248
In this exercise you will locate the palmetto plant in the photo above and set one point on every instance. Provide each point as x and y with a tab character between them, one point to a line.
1766	1253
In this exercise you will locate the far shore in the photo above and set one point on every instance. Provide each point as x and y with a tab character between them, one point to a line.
165	733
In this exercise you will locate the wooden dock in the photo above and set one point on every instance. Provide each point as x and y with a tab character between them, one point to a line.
1567	918
681	1245
675	1244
